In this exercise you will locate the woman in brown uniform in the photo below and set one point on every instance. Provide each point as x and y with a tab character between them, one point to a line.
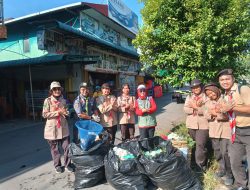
219	131
126	109
196	122
56	130
107	106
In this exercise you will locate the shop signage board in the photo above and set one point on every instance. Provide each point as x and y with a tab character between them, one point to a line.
102	66
121	14
56	43
81	58
104	32
125	67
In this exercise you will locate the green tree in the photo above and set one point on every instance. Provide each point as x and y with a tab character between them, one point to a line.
185	39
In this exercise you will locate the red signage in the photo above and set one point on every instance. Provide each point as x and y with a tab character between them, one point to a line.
3	32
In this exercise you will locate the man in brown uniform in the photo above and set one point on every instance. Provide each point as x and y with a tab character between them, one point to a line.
238	110
196	123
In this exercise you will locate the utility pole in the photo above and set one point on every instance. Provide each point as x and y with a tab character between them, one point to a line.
3	29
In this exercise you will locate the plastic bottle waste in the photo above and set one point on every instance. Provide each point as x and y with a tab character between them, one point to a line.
123	154
153	153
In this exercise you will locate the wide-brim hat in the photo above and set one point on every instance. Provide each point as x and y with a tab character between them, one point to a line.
55	84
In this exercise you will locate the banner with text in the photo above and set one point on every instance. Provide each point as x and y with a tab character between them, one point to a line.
120	13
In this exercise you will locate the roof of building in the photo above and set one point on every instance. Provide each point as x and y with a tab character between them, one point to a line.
100	8
56	9
51	59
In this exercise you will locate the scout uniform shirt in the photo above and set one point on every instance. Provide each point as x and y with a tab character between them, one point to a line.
240	98
56	126
218	126
195	119
84	104
126	116
108	112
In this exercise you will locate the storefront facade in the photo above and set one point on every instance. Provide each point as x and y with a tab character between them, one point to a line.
68	44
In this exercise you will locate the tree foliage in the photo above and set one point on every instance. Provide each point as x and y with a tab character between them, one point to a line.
186	39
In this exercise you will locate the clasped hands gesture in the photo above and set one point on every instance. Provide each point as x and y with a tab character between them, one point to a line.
129	107
225	106
221	107
84	116
63	112
195	104
110	101
144	110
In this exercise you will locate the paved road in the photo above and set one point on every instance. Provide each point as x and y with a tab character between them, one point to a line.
25	161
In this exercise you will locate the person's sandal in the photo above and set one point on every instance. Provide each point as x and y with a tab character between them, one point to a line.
59	169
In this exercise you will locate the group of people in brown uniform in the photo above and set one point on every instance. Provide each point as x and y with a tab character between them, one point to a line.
106	109
223	118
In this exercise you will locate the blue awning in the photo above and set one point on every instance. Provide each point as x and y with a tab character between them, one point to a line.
94	38
49	59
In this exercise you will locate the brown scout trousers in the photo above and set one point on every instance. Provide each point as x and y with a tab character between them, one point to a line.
201	138
55	153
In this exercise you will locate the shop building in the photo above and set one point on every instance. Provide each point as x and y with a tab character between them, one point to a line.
69	44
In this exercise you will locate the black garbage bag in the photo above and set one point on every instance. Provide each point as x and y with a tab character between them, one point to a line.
88	177
123	174
89	164
168	169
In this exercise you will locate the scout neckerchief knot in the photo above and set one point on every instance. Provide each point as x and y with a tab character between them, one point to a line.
110	112
196	98
128	112
58	118
232	120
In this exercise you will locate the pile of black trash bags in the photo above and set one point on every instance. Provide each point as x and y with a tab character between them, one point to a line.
167	169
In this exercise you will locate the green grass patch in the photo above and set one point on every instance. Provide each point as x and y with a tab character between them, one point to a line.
209	181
